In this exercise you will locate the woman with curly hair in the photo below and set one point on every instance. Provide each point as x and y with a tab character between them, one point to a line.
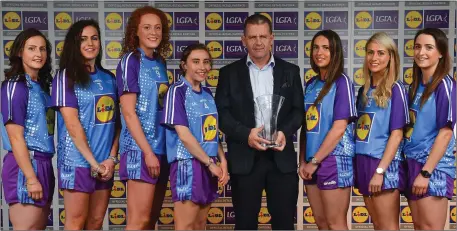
88	127
142	83
28	132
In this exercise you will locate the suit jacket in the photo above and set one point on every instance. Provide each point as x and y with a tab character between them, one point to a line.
235	105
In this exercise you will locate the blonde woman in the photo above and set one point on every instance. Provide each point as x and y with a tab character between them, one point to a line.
382	108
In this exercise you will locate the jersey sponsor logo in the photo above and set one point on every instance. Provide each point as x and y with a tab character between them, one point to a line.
209	128
312	117
363	129
11	20
166	216
410	126
113	21
104	109
117	216
363	20
359	214
313	20
162	88
214	21
264	216
308	216
413	19
62	20
215	216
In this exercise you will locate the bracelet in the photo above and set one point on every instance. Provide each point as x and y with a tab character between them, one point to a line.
27	183
210	161
114	159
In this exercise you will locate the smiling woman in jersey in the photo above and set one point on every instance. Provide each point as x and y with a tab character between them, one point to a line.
429	139
379	166
88	127
142	83
327	151
193	142
28	127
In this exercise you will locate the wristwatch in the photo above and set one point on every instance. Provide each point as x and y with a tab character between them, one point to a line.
380	171
210	161
115	160
425	174
315	161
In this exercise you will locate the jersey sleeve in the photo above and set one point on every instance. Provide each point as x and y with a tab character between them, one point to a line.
14	102
61	94
399	113
445	103
127	73
344	105
174	107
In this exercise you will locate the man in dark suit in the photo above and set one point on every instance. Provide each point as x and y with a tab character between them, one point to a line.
252	166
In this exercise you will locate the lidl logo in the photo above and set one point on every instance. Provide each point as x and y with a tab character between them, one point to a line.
214	21
59	48
408	76
12	20
113	71
169	19
61	217
452	215
359	48
358	77
168	190
113	21
359	214
409	48
264	216
308	216
169	53
60	193
166	216
215	216
162	89
209	128
215	49
405	215
268	15
7	48
313	20
213	77
363	20
117	216
118	190
309	74
312	117
50	120
364	124
356	192
308	49
413	19
170	77
113	49
104	109
62	20
410	126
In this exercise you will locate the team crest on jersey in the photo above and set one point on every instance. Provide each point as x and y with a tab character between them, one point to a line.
104	109
364	124
50	118
410	126
162	88
313	117
209	128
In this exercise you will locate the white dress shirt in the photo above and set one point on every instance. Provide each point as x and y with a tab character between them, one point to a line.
261	82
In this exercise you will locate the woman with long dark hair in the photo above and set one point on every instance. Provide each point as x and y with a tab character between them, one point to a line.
88	128
28	132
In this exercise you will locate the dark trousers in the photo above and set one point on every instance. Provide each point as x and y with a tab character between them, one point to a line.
281	189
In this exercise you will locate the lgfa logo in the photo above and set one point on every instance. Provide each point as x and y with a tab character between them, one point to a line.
59	48
162	89
104	109
360	214
50	118
113	49
113	21
12	20
409	48
313	20
166	216
363	20
117	216
213	77
364	127
308	216
406	216
215	215
308	49
264	216
360	48
63	21
118	190
209	129
408	76
169	19
413	19
309	74
358	77
215	49
7	48
214	21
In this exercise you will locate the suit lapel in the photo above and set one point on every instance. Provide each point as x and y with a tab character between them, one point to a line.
277	76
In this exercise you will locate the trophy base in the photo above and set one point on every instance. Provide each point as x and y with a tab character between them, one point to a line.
272	145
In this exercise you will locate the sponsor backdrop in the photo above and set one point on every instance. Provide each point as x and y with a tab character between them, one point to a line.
219	25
